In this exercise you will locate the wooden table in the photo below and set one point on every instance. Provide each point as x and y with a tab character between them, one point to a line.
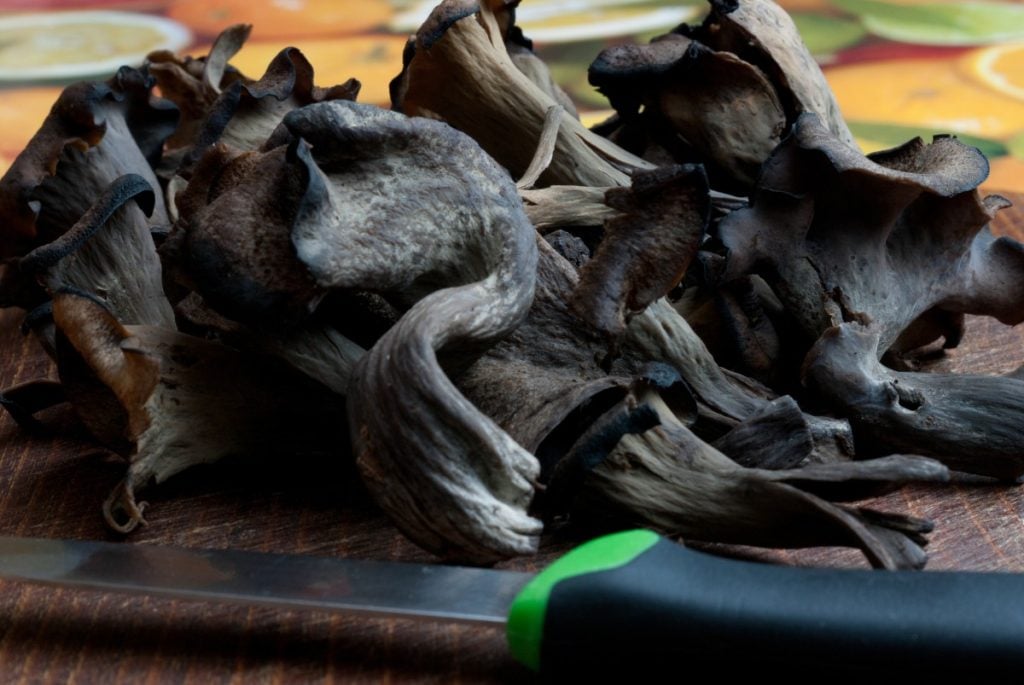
52	485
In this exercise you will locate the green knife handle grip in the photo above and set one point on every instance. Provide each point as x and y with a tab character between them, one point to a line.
636	603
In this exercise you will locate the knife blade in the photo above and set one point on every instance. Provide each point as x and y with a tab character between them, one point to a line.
630	602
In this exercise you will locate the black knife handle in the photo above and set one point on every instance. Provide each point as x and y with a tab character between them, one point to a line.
661	605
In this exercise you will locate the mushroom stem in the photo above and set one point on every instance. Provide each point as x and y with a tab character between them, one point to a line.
972	423
668	478
545	148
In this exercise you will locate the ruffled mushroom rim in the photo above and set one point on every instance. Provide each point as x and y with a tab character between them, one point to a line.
193	84
945	167
78	120
812	173
24	282
289	75
208	73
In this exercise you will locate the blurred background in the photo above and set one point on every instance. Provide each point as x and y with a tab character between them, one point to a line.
899	69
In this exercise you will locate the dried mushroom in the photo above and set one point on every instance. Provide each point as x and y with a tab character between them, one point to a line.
723	108
725	92
972	423
841	236
880	241
458	68
246	113
356	197
166	401
454	243
646	249
194	84
668	478
232	240
505	305
110	254
545	387
95	133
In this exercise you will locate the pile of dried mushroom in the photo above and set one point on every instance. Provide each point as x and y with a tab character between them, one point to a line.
702	316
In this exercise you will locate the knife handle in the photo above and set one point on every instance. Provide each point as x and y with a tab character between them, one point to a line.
637	603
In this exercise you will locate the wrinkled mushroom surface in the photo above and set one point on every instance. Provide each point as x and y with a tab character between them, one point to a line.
232	240
546	387
94	134
458	68
972	423
872	245
886	238
454	243
668	478
194	84
167	401
109	253
724	93
644	251
355	198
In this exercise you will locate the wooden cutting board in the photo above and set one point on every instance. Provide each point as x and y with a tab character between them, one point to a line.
52	485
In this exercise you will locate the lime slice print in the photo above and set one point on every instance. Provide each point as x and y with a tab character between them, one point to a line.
964	23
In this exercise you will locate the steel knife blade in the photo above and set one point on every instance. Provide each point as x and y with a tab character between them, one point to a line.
629	603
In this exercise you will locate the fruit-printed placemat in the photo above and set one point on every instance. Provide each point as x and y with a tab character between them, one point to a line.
899	69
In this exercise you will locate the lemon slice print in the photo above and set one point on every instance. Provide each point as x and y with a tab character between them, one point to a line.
72	45
931	23
1000	67
566	21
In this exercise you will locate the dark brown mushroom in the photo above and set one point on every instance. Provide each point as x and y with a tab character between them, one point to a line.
194	84
109	253
882	241
668	478
95	133
458	68
646	249
545	386
377	204
970	422
723	108
886	238
232	240
723	93
763	34
166	401
245	114
452	242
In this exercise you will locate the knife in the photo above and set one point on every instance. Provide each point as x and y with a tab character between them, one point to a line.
630	602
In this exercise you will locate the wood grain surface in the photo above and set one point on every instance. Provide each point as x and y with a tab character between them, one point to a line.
52	485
